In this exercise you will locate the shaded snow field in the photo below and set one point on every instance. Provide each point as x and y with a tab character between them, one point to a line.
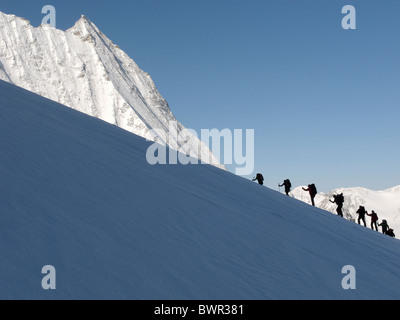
77	193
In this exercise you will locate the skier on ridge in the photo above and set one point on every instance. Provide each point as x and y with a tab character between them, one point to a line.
312	189
288	186
259	177
361	215
390	233
385	226
339	200
374	220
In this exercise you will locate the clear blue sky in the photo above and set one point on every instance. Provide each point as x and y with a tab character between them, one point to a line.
324	102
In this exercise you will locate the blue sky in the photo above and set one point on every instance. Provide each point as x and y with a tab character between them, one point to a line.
324	102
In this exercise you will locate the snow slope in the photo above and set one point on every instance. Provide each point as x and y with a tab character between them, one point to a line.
78	194
81	68
385	203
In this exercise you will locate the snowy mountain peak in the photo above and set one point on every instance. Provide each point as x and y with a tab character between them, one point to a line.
85	24
82	69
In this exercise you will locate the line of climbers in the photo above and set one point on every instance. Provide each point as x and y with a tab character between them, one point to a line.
374	221
339	201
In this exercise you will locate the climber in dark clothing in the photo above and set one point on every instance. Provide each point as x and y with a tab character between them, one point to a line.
390	233
259	177
339	200
313	192
374	220
288	185
361	215
385	226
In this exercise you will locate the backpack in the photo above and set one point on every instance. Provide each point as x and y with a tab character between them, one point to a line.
287	184
339	199
313	189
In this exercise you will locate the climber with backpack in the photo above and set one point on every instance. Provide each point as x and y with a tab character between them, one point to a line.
385	226
339	200
390	233
361	215
288	186
374	220
259	177
312	189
